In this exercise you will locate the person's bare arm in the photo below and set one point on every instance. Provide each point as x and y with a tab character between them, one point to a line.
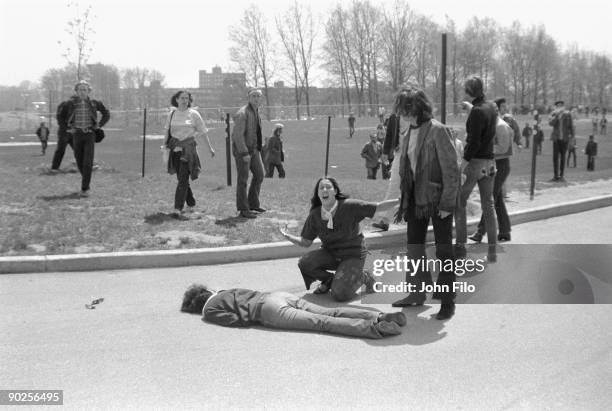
297	240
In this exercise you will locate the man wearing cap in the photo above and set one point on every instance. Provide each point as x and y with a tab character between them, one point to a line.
246	148
563	129
80	116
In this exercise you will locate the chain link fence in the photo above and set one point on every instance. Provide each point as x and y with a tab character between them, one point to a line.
21	123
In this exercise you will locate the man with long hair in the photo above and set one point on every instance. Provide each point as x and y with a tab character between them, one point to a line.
478	165
429	183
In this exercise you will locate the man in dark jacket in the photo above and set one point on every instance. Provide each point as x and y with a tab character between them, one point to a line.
275	155
478	165
63	139
527	133
563	129
246	148
80	115
43	135
502	149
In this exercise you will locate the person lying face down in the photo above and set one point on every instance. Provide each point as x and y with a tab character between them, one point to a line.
240	307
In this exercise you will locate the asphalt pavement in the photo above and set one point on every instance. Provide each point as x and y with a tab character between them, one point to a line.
135	350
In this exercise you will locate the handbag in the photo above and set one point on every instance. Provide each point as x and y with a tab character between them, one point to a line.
165	148
99	134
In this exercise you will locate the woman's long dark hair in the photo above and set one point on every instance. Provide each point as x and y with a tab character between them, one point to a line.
175	96
315	201
411	100
194	299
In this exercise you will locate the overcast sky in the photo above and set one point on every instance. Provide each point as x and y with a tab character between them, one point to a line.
180	37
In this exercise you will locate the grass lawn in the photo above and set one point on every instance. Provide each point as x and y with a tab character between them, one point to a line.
41	214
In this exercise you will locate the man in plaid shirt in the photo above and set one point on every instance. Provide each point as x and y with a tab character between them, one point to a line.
80	114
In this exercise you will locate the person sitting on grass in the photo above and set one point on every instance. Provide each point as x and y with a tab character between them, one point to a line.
335	220
240	307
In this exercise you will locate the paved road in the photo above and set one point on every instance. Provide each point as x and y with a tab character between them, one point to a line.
137	351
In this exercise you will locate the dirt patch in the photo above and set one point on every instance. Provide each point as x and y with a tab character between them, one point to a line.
84	249
175	238
13	210
37	248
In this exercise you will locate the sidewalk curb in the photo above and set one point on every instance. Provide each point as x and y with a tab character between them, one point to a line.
243	253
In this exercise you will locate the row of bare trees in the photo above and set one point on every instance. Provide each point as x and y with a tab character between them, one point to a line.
58	83
106	80
369	51
255	52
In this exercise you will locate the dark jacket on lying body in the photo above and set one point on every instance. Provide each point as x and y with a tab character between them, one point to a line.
237	307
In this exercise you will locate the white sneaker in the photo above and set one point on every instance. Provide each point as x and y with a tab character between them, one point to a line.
84	193
190	210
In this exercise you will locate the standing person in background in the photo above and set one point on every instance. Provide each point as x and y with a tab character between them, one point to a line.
63	139
80	114
527	133
502	108
502	149
595	123
385	166
381	114
571	150
591	152
43	135
246	147
478	165
603	124
538	138
275	152
351	124
371	152
429	181
563	129
390	148
183	127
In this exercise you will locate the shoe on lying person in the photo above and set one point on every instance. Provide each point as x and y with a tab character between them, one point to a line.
387	328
